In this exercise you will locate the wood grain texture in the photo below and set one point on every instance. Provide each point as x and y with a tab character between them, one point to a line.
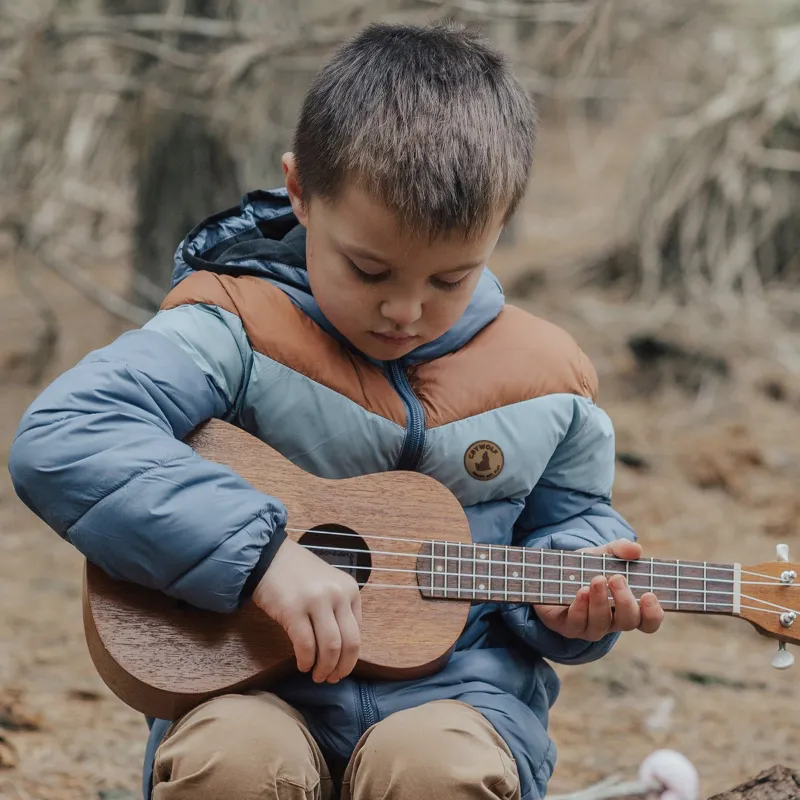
162	657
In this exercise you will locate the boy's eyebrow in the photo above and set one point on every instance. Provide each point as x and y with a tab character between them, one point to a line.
357	251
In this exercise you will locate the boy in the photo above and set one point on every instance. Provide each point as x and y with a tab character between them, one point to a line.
349	321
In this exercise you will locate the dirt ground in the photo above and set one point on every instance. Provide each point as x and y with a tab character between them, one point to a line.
709	475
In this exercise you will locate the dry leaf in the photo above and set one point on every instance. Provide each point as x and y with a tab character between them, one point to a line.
8	754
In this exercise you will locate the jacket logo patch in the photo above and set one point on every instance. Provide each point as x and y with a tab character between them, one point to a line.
484	460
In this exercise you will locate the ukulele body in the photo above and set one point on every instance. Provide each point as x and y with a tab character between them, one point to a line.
163	657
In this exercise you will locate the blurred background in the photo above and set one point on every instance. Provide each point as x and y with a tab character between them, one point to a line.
661	228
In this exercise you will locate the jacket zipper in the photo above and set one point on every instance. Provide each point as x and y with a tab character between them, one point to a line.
410	456
414	441
368	717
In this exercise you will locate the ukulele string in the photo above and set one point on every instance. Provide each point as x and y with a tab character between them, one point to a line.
487	577
476	592
589	556
523	578
561	569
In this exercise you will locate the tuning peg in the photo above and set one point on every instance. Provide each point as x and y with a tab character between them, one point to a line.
782	551
783	659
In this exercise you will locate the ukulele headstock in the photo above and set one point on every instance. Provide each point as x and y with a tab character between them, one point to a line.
770	601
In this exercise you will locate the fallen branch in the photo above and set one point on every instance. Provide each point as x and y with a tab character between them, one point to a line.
611	788
106	299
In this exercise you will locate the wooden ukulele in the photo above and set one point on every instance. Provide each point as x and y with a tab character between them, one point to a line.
405	539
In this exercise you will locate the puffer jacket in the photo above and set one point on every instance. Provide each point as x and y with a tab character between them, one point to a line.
99	457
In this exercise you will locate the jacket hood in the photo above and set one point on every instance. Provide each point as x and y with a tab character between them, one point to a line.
262	236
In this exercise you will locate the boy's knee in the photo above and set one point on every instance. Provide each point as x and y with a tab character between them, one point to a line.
434	750
239	746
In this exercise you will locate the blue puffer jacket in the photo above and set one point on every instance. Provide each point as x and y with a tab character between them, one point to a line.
99	457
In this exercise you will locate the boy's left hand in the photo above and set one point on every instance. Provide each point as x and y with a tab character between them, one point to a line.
591	615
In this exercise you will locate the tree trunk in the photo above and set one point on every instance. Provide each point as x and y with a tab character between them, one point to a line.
185	171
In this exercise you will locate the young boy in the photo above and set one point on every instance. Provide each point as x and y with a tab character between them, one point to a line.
349	321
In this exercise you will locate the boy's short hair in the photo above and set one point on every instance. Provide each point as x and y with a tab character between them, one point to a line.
429	119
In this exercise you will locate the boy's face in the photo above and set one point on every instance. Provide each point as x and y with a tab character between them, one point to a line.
386	291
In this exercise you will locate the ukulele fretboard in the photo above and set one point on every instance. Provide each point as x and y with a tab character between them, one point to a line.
526	575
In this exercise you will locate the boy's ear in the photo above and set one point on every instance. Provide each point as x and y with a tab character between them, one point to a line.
293	188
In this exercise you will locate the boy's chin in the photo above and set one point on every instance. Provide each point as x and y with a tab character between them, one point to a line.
382	350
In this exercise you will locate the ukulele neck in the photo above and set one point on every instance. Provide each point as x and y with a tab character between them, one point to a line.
553	577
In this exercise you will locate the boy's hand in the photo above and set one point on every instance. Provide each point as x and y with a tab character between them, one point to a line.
591	615
318	606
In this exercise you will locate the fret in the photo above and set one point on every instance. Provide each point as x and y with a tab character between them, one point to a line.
571	577
481	591
705	587
561	575
583	569
524	580
473	555
433	570
720	598
497	571
551	577
469	574
666	584
458	571
441	569
505	583
489	570
436	568
652	576
677	584
447	572
516	582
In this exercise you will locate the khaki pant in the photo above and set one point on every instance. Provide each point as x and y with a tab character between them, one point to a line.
243	747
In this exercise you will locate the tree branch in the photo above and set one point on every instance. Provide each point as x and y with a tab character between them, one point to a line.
161	50
156	23
546	11
772	158
106	299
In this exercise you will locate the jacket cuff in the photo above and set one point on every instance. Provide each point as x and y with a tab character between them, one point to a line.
267	554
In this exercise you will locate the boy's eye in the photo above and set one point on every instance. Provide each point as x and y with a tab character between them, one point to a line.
367	277
447	286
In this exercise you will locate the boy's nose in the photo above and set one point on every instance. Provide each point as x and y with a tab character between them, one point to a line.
401	312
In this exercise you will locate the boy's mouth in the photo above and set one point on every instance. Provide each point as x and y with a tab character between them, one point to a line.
394	338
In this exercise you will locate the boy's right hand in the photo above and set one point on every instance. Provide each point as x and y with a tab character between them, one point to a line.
319	607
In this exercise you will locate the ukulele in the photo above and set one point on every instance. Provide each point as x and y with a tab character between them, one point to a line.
404	538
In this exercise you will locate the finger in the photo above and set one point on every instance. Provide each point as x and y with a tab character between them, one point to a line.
652	613
600	614
554	617
355	605
301	634
627	614
329	641
623	549
577	615
351	643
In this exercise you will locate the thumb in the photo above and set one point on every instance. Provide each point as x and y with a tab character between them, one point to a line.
620	548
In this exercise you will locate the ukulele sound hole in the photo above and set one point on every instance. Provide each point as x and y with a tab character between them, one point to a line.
342	548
